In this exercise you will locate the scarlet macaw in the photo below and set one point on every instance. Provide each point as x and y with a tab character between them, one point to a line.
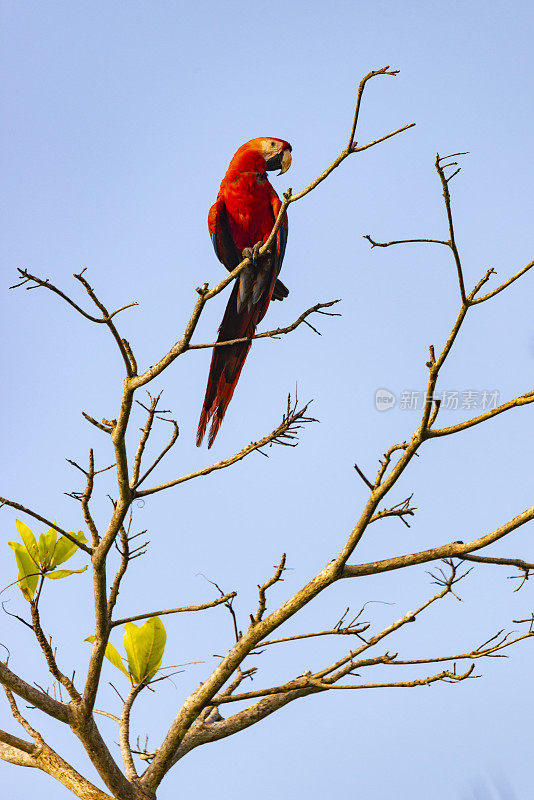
239	222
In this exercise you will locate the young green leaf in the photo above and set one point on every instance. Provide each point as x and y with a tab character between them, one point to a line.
46	545
28	573
113	655
63	573
50	539
65	548
29	540
144	648
41	544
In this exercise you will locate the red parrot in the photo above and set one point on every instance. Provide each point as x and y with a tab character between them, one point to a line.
239	222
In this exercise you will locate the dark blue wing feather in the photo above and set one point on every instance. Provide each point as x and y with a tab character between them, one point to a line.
214	242
282	239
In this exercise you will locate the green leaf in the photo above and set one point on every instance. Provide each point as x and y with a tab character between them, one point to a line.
65	548
46	546
29	540
63	573
144	648
28	573
113	655
41	544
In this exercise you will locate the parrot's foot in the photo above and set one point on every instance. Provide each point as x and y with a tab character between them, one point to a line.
253	253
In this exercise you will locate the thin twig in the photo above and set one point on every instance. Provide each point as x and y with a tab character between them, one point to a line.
277	331
267	585
201	607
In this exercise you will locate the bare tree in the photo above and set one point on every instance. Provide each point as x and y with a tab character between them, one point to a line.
199	719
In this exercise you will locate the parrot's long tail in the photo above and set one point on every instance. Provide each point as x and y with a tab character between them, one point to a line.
227	362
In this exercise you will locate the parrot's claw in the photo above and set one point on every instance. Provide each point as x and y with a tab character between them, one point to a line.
252	252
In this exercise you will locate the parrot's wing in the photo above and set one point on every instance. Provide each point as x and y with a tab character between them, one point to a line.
221	236
280	291
281	236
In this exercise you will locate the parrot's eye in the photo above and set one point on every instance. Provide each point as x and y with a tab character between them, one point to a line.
272	144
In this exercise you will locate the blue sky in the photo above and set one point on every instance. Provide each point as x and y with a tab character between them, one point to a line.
120	120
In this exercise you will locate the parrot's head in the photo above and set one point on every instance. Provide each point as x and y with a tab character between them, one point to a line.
264	153
277	154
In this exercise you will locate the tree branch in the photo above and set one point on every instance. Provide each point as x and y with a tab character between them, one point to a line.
276	697
27	277
125	560
403	241
144	438
217	602
523	400
451	550
172	442
360	149
446	676
333	632
106	318
49	653
277	331
401	510
17	744
510	562
504	285
263	589
41	756
12	504
452	242
35	697
127	758
86	497
292	420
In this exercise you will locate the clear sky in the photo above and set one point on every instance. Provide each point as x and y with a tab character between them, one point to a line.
119	121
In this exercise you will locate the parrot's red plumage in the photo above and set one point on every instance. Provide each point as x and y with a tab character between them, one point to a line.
243	215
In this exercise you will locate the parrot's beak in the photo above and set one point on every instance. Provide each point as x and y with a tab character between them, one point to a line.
286	161
281	161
